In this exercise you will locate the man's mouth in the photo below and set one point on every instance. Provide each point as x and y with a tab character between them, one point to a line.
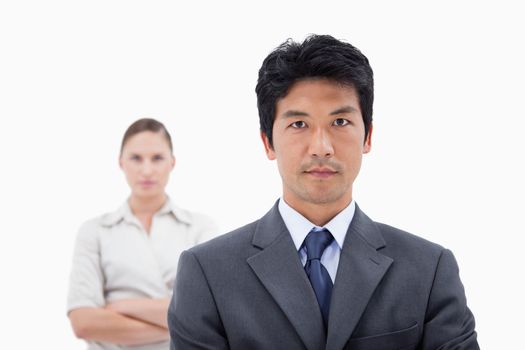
321	173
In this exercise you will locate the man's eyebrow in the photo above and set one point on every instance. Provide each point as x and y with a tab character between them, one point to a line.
345	109
294	113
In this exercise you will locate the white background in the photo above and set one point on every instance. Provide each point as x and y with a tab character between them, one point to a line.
447	158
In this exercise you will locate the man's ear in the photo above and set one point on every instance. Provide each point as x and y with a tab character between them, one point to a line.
173	161
368	142
270	153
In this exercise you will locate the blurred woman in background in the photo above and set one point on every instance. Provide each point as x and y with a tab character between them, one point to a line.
125	262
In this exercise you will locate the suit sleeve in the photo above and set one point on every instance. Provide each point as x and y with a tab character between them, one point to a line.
449	324
193	319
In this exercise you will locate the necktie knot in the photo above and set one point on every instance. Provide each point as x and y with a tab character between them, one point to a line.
316	242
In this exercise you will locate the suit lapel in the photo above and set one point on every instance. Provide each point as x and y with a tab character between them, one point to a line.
280	271
360	270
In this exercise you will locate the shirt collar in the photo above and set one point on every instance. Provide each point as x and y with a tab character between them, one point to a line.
124	213
299	226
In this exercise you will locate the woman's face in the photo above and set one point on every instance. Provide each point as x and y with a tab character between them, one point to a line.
147	161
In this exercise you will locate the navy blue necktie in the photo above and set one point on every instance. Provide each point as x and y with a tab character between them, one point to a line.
316	242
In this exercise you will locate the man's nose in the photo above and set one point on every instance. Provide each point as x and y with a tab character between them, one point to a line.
320	144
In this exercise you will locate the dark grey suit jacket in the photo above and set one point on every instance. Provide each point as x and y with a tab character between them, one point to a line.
248	290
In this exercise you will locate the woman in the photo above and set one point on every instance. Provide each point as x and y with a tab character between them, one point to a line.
125	262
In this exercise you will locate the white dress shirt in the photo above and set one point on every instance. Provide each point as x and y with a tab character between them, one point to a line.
299	227
115	258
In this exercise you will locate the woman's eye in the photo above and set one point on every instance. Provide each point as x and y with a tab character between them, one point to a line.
298	124
341	122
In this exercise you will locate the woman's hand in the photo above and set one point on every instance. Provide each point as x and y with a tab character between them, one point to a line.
106	325
154	311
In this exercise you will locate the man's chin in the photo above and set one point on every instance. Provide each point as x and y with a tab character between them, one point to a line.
324	198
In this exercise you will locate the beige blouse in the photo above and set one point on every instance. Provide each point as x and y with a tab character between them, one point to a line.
115	258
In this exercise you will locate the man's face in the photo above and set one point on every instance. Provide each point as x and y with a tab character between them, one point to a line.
318	141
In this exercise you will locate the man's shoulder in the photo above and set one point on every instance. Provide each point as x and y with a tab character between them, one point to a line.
403	243
232	242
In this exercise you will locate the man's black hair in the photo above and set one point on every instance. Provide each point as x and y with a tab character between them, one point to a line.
318	56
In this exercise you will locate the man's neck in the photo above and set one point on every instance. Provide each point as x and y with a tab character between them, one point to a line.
318	213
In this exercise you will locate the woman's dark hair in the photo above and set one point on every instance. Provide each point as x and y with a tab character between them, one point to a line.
319	56
146	124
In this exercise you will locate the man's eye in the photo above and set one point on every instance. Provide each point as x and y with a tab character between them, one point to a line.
341	122
298	124
158	158
135	157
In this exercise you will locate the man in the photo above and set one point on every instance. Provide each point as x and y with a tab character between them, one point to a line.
315	272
